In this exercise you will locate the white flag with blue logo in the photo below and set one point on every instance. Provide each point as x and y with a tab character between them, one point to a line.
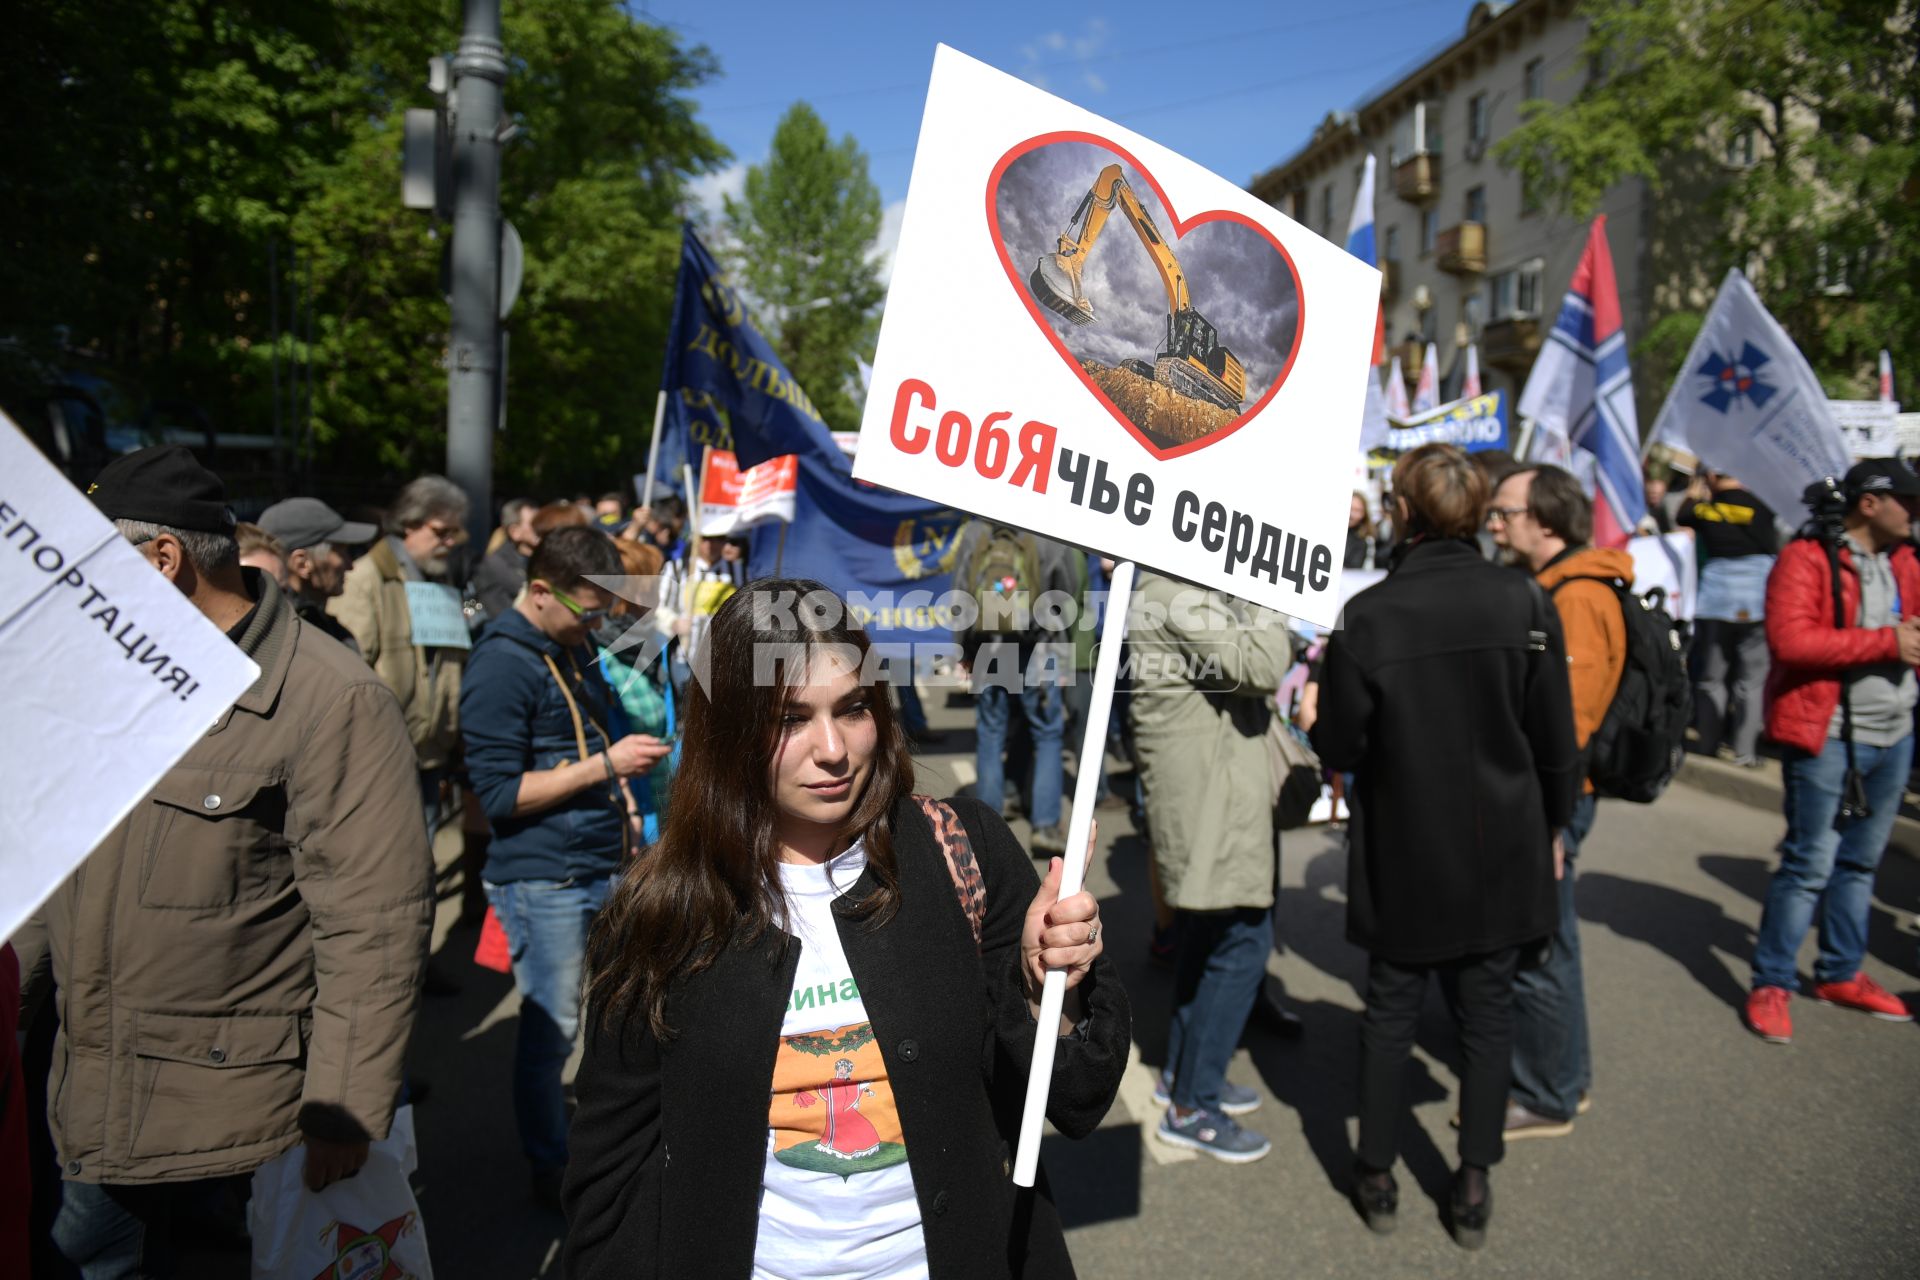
1747	403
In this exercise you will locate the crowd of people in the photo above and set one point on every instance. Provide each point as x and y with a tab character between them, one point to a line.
807	992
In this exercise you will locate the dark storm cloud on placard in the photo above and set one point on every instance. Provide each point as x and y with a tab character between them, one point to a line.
1235	278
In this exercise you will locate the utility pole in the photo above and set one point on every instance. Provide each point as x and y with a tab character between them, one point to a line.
473	348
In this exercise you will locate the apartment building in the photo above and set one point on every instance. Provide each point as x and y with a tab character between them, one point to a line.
1466	252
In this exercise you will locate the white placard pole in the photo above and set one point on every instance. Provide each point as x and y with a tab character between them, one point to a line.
1093	754
653	446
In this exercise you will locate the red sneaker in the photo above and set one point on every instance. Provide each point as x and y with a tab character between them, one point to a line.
1863	993
1767	1014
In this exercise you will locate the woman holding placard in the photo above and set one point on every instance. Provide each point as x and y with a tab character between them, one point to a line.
1451	870
811	1003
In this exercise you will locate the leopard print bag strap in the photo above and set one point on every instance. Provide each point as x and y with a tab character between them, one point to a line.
957	848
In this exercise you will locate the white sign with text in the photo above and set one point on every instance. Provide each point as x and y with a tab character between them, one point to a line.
1091	337
112	676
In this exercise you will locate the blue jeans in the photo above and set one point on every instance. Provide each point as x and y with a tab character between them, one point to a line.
128	1232
1046	713
546	923
1219	961
1552	1054
1824	868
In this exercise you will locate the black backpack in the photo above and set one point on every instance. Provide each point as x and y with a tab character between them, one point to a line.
1641	743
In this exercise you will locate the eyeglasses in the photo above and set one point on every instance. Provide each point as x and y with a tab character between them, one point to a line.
444	532
1504	514
591	617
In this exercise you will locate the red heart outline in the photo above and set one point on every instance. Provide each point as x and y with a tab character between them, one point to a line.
1180	228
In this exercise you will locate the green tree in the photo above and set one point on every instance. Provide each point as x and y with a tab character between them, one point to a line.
1780	136
152	153
803	230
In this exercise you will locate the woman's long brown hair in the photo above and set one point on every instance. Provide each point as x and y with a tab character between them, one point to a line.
712	879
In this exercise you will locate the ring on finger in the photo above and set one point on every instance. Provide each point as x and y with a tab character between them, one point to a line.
1093	932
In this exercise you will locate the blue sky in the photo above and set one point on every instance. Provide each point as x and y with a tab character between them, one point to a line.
1236	85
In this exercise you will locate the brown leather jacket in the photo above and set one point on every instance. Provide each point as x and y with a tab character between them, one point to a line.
239	961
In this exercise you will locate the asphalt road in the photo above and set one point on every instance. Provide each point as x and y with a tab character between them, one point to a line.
1707	1153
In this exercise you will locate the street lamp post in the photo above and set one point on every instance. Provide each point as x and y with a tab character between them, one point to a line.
473	347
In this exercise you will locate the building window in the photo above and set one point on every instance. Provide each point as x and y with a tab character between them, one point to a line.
1298	212
1430	326
1477	118
1740	149
1326	210
1429	230
1477	205
1527	291
1393	244
1596	67
1515	293
1473	310
1535	85
1529	195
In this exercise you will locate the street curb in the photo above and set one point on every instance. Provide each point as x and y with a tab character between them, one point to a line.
1762	789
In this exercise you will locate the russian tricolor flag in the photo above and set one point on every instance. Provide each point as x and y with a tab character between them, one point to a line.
1373	424
1582	391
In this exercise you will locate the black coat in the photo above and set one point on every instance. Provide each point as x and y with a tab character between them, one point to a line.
1447	694
669	1140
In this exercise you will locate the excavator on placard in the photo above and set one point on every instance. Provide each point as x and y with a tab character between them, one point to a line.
1194	363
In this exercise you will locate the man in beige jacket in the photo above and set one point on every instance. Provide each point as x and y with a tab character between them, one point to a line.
406	618
236	966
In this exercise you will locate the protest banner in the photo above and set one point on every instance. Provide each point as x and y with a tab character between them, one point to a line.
1667	561
1747	403
1869	427
108	662
733	501
1475	424
1186	392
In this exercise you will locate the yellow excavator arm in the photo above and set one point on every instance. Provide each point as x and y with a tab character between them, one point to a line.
1194	362
1110	189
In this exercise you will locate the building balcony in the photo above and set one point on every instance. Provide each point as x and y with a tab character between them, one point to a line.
1417	177
1389	280
1462	249
1511	344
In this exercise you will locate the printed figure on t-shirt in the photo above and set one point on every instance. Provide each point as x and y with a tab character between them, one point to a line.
833	1110
848	1136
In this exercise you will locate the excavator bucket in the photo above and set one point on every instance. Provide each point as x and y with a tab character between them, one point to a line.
1058	291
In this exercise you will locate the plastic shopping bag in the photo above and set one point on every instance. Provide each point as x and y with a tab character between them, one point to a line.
366	1227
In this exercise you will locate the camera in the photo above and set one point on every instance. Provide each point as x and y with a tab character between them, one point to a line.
1826	500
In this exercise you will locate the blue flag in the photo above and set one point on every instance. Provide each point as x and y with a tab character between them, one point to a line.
889	555
726	386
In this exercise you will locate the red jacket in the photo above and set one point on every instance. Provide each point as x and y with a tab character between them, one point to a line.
1808	651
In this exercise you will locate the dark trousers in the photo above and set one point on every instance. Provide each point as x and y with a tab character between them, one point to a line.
1479	992
122	1232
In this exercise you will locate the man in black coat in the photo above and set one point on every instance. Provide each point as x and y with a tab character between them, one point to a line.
1446	694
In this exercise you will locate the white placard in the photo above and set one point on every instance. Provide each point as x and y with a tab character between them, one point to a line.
1667	561
988	397
1870	427
112	675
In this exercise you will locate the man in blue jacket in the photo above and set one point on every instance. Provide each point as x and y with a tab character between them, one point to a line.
544	758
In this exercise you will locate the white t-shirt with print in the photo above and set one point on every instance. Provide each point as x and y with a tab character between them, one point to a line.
836	1199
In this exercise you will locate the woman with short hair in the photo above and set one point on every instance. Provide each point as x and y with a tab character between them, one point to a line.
812	1001
1446	694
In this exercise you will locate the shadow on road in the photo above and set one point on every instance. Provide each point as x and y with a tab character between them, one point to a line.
473	1180
1695	933
1896	894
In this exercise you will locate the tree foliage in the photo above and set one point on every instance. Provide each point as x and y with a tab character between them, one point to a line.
152	153
1788	129
803	231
